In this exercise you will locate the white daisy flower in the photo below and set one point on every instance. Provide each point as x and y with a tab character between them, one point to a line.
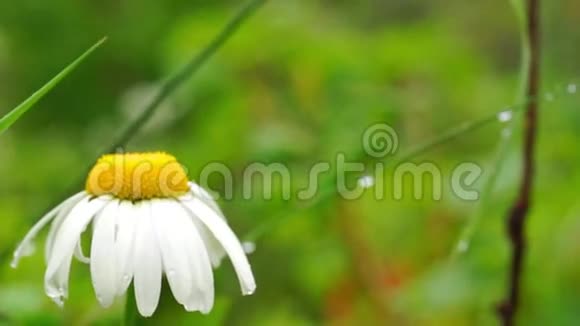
147	220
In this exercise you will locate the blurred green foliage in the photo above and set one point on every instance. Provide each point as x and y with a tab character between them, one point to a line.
297	84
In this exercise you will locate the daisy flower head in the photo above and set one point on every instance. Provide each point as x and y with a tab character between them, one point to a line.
148	222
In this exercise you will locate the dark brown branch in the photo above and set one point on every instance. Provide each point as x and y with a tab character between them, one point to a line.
518	213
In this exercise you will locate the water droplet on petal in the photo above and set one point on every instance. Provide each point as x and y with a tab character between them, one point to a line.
125	277
505	116
58	300
249	247
366	181
571	88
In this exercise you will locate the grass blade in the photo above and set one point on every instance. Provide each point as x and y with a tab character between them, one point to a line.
11	117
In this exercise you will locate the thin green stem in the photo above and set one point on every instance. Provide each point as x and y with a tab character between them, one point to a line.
171	84
452	134
464	241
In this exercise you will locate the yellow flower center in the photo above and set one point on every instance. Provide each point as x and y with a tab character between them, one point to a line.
136	176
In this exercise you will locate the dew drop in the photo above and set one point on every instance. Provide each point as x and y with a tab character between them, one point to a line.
366	181
126	278
571	88
549	97
170	272
249	247
505	116
58	300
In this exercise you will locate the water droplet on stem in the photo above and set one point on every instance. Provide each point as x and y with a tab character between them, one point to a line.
505	116
366	181
249	247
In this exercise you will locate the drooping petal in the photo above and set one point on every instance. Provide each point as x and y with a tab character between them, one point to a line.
56	288
80	255
214	248
57	222
26	245
229	241
202	288
198	192
147	263
103	267
171	237
127	218
66	239
202	294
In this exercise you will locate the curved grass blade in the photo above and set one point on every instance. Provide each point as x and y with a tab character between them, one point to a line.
11	117
466	235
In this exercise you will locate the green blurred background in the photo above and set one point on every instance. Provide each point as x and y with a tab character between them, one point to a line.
298	83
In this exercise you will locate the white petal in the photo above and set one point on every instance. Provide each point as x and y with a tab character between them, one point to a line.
56	276
198	192
215	249
171	236
202	293
127	217
57	287
103	267
202	287
80	255
147	263
229	241
26	246
57	222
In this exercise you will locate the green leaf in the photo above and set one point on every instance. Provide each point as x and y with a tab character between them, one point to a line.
12	116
